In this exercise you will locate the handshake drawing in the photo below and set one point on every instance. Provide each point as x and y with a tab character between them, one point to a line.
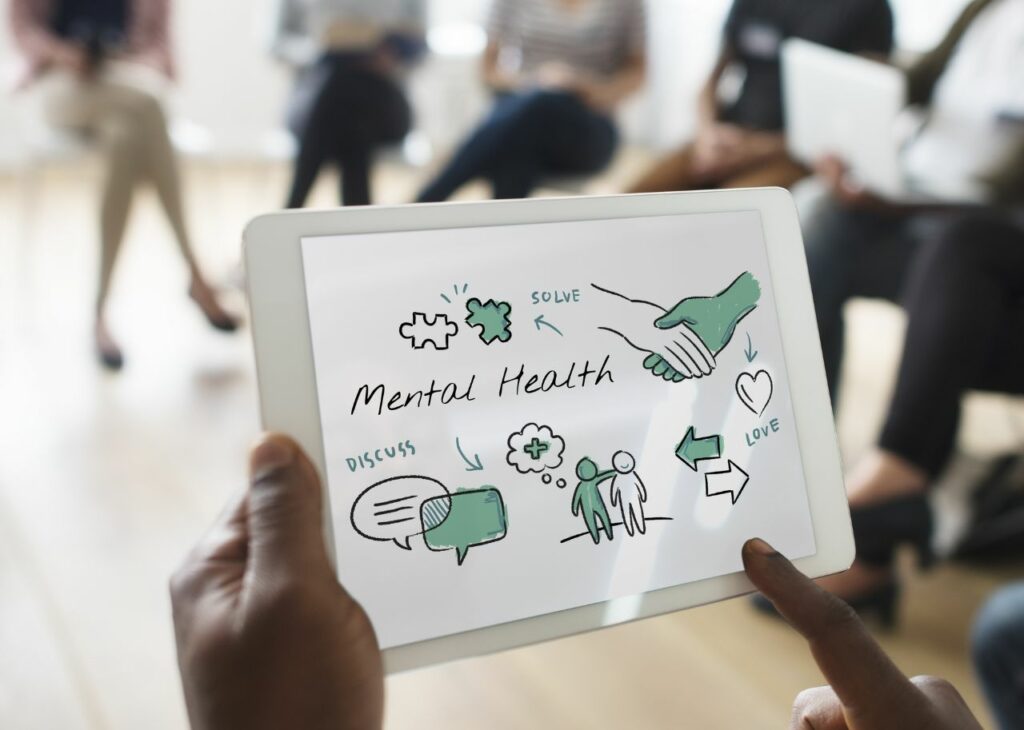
683	342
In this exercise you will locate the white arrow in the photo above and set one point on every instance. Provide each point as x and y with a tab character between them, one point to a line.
732	481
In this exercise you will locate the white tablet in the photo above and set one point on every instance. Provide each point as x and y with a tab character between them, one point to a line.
542	417
848	106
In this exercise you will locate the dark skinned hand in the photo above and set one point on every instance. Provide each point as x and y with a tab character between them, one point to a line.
267	638
866	691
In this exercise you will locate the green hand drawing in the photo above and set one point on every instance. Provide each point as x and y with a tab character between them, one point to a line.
686	340
712	319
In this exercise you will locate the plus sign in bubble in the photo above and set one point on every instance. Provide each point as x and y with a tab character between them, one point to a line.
535	449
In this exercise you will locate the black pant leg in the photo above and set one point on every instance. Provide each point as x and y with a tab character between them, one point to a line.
965	304
853	253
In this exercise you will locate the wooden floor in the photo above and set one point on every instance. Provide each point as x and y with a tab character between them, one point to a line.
106	480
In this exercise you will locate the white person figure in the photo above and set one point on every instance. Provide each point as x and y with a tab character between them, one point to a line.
628	493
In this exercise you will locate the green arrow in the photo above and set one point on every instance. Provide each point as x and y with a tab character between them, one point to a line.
541	321
475	464
693	450
751	353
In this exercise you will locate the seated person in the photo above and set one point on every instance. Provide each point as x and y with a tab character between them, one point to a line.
268	638
99	67
743	144
348	99
957	277
559	69
998	648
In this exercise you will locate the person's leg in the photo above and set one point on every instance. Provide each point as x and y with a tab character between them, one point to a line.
312	152
964	302
313	99
673	172
504	149
355	162
965	330
127	94
998	649
572	138
852	252
781	171
557	134
85	108
372	112
591	521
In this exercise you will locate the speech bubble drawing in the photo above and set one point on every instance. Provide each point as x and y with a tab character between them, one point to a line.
534	449
463	520
390	510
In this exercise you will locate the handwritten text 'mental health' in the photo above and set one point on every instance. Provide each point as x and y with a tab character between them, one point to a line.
514	382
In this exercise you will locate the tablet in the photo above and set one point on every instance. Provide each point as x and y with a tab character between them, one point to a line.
848	106
542	417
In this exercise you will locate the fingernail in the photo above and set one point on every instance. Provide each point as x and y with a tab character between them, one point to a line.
271	455
760	547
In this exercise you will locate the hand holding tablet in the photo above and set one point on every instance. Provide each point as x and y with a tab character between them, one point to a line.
503	468
305	638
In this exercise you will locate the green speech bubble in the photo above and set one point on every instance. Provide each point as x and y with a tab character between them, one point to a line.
463	520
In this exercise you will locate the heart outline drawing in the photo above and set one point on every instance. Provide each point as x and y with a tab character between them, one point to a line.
754	393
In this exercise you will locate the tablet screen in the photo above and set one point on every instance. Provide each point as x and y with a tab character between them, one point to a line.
519	420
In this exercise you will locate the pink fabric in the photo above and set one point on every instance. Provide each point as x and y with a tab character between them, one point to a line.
149	36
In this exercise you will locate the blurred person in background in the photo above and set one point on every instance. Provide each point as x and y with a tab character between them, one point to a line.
957	271
99	67
742	144
998	648
348	100
559	70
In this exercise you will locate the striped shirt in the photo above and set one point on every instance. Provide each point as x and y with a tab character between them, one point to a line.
597	36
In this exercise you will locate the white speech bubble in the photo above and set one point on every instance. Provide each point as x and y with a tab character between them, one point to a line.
390	510
535	449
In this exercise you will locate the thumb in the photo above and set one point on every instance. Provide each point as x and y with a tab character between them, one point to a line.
285	511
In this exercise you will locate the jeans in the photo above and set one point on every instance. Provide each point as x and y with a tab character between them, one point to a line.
958	279
998	650
526	137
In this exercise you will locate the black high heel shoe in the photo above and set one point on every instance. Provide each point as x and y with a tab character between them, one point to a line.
880	604
211	310
879	529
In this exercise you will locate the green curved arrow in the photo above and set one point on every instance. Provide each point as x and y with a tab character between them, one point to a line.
475	465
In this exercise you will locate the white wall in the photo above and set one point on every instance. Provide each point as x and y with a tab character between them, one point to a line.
229	86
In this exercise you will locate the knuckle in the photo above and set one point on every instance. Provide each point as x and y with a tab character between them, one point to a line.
838	615
181	583
803	701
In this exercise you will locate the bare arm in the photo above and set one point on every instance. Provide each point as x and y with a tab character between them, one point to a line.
497	79
36	41
707	101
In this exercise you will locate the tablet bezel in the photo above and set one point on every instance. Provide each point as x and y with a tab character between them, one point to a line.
288	397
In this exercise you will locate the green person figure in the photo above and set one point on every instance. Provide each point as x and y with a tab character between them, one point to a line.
587	500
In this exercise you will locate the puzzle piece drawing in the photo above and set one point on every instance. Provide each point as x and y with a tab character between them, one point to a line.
436	330
492	319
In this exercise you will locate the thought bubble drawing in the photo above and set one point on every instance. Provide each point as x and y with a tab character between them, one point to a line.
390	510
463	520
535	449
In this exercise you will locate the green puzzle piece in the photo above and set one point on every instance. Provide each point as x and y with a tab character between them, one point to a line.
492	319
